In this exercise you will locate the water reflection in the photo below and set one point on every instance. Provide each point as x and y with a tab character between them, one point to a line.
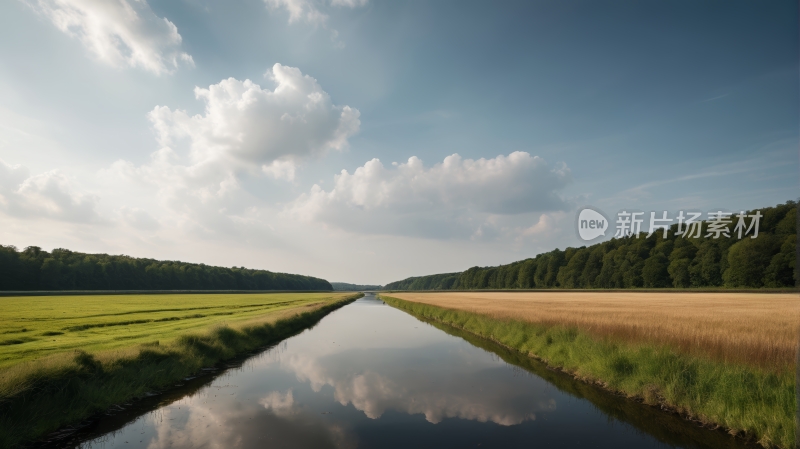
387	381
275	420
369	375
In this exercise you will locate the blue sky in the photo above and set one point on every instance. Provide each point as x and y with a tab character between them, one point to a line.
128	127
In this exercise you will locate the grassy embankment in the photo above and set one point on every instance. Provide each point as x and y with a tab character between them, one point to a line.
79	355
721	359
668	428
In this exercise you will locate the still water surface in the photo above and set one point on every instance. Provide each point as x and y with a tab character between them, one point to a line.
371	376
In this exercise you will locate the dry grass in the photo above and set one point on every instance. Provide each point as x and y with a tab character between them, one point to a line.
560	329
759	330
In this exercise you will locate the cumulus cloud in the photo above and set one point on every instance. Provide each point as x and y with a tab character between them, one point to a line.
245	131
121	33
454	195
48	195
252	125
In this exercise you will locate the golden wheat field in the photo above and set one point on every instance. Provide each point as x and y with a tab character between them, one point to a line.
753	328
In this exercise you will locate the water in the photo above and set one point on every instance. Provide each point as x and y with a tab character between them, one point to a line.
371	376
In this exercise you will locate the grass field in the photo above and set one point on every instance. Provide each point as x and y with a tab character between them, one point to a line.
36	326
78	355
760	330
667	349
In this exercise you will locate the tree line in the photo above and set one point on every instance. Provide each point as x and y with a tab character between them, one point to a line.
345	287
638	261
62	269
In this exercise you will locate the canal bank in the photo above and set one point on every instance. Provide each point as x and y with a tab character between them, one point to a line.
43	396
371	376
750	404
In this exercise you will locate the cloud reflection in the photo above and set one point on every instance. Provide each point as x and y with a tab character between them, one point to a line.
280	404
423	389
274	420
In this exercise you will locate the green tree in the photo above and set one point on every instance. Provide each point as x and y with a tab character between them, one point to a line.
748	259
568	275
679	272
638	261
592	268
781	270
654	272
50	274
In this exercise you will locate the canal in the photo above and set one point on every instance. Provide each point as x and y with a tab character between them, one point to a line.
371	376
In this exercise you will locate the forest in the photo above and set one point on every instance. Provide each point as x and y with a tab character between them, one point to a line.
638	261
346	287
62	269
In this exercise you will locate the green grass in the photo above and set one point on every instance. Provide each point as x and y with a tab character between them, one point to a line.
667	428
32	327
746	400
88	369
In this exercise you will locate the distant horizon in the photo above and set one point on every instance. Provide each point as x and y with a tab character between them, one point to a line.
582	244
378	141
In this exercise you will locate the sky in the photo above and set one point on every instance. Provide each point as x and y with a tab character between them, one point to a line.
367	141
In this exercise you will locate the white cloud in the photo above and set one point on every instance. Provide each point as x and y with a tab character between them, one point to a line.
299	9
121	33
245	131
138	218
310	12
48	195
350	3
280	169
456	196
251	125
11	176
547	226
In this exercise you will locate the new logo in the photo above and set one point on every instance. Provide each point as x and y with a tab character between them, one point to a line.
591	223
